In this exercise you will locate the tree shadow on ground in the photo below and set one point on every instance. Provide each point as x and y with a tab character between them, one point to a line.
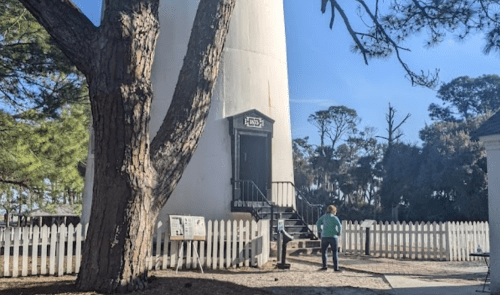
157	286
336	290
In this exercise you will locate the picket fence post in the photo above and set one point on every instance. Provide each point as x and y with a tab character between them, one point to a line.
228	259
234	260
240	244
6	257
34	251
344	235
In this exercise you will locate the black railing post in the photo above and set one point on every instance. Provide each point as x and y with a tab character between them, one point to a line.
367	241
272	222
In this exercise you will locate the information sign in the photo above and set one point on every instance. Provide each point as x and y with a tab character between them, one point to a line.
187	228
281	225
367	223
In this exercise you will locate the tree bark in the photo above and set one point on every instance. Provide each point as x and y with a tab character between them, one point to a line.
131	185
121	224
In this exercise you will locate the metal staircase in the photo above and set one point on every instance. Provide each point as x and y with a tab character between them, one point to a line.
297	218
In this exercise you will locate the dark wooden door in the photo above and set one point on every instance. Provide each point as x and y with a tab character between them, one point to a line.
254	160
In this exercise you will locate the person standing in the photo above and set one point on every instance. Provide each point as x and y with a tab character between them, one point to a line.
330	227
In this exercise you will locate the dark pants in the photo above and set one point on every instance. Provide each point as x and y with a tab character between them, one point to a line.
332	242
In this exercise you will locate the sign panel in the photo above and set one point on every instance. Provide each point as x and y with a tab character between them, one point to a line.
281	225
187	228
367	223
254	122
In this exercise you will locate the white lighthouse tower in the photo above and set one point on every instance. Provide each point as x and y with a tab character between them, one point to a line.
246	147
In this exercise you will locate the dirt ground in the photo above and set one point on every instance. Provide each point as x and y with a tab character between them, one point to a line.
302	279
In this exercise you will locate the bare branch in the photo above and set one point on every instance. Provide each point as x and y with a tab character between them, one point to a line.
351	31
402	122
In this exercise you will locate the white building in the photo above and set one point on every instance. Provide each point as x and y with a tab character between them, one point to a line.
489	134
247	136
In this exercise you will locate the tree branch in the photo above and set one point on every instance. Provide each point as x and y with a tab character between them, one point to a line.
15	182
351	31
178	136
414	78
402	122
69	27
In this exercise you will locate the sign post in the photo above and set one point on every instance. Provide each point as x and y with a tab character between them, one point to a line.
367	223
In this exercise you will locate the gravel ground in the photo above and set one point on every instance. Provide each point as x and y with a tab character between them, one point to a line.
302	278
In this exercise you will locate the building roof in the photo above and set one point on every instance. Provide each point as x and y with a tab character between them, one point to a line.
61	210
490	127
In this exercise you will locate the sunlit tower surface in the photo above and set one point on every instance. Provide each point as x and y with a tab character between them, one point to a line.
252	89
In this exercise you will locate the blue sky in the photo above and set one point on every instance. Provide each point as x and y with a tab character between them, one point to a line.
324	72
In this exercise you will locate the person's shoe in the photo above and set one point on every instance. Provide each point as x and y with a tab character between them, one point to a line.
339	270
323	268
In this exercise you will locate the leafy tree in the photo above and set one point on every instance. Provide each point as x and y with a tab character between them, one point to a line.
321	120
40	159
357	174
453	172
344	122
134	177
465	97
444	180
366	171
302	168
346	174
34	74
42	137
401	168
334	123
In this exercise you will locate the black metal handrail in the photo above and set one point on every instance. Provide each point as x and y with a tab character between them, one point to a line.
309	213
250	195
248	191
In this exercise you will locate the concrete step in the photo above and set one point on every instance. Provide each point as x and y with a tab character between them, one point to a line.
300	244
299	247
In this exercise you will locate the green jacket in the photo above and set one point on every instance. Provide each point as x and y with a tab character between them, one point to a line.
329	225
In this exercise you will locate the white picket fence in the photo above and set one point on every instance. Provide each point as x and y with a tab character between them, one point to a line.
46	251
451	241
228	244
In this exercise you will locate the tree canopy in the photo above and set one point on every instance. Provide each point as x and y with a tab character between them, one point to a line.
444	179
34	73
40	160
465	97
385	26
43	127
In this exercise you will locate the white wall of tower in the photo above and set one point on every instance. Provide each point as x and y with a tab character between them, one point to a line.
253	75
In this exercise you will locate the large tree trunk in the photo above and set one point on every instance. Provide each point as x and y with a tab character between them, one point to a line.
129	188
121	224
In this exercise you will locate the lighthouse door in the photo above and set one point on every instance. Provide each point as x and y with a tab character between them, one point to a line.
255	162
251	141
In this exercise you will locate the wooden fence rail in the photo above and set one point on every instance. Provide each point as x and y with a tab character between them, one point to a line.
57	250
451	241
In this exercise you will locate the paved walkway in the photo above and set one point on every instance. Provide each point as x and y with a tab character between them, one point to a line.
415	277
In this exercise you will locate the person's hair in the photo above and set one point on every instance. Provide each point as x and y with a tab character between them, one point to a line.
331	209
